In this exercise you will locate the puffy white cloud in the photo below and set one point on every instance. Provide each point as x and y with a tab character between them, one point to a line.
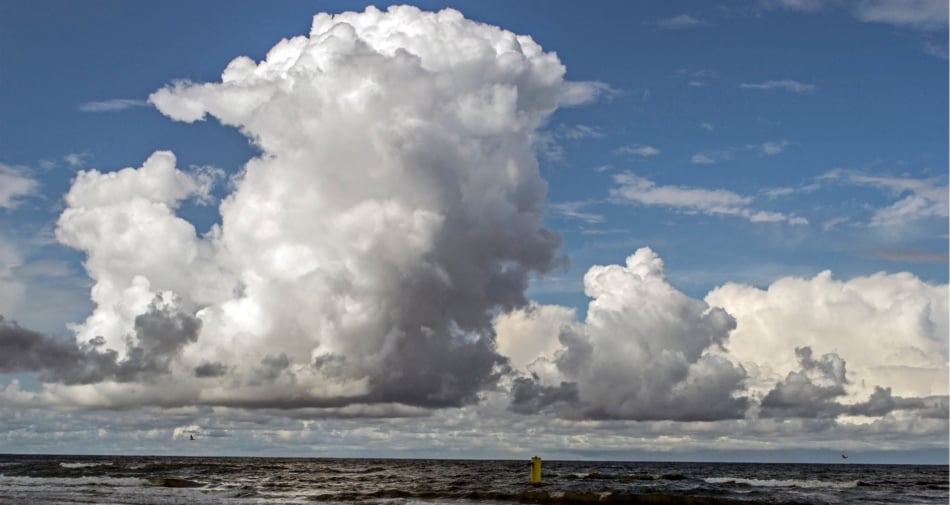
530	333
642	353
15	184
890	328
394	211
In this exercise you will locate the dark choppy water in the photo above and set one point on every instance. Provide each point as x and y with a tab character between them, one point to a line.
47	480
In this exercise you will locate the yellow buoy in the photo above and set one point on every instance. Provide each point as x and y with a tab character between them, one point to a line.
535	470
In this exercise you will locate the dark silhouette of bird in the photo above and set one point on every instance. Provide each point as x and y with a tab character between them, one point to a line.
191	437
844	456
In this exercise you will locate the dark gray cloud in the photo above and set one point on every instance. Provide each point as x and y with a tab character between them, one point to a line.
811	391
160	334
814	391
529	397
882	402
210	369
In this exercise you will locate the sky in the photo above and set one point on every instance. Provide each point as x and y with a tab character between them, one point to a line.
684	230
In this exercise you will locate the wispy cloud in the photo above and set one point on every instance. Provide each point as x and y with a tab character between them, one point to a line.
679	22
905	255
573	210
632	188
936	50
917	198
714	156
548	143
707	126
113	105
914	14
795	5
774	147
638	150
75	160
584	92
15	184
578	132
783	85
834	222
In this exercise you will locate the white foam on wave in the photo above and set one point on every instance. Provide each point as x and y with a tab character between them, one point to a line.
13	481
84	465
802	483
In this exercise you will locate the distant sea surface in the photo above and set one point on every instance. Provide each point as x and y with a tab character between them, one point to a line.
48	480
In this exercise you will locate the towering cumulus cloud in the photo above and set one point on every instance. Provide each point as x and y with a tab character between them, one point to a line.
645	352
394	209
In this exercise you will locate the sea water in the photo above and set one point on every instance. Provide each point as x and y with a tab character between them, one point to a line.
51	480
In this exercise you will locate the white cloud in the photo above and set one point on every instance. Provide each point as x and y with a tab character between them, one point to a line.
573	210
834	222
706	126
632	188
891	330
16	183
75	160
361	258
919	199
525	335
113	105
797	5
774	147
913	14
784	85
579	132
583	92
916	14
713	157
640	354
679	22
936	50
638	150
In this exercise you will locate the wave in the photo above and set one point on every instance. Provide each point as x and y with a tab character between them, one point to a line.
12	481
624	476
543	497
800	483
84	464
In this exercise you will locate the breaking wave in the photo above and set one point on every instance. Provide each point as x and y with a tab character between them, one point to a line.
806	483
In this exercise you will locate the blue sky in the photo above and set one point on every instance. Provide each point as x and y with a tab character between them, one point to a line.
742	142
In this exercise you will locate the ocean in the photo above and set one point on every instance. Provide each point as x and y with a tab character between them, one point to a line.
115	480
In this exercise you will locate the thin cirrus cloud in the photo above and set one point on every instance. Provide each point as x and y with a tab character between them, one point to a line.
573	210
638	150
789	85
917	199
679	22
923	15
632	188
113	105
